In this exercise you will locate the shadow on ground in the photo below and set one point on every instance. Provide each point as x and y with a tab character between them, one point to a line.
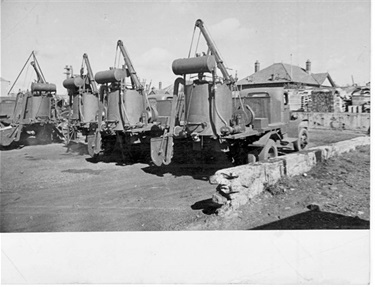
316	220
200	172
207	206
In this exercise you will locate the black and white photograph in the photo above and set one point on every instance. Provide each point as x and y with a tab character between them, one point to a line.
185	142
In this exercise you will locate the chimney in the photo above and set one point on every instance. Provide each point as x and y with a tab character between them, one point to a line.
160	85
257	66
308	67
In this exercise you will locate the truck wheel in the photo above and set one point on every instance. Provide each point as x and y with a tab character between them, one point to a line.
269	151
302	141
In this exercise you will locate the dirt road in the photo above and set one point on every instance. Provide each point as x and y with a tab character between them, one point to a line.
49	188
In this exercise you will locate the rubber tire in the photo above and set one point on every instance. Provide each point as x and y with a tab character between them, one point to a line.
302	141
269	151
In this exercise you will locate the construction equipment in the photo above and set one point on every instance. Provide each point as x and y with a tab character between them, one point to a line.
85	116
219	119
32	118
129	115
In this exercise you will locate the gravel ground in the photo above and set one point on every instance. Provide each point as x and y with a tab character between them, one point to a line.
52	188
335	194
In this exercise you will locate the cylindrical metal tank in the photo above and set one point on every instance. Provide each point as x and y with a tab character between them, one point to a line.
75	107
194	65
90	107
41	107
73	83
134	106
126	109
43	87
206	111
110	76
114	109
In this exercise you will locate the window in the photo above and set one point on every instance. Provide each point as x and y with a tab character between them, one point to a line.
286	99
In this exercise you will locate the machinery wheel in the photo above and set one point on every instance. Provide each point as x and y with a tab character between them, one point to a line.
269	151
302	141
70	133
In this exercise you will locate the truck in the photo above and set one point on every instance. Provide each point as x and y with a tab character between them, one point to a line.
219	119
32	119
86	113
128	114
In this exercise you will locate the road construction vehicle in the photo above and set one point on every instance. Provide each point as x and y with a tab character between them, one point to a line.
129	116
6	110
85	106
246	126
33	119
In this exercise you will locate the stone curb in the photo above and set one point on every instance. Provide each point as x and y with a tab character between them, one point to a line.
238	185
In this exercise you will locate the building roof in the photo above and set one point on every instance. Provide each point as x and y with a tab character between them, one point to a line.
167	90
285	73
320	77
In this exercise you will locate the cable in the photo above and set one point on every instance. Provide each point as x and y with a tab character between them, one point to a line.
187	112
20	72
27	80
199	37
80	108
117	56
217	112
191	43
123	107
82	67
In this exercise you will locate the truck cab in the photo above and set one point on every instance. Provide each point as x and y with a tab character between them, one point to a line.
270	106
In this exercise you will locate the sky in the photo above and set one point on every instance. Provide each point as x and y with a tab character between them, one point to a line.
333	35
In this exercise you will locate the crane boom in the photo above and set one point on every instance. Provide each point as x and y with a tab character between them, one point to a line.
220	63
39	74
129	65
94	88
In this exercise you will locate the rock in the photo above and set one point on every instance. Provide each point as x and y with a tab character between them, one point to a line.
219	199
224	188
313	207
230	175
225	211
238	199
213	179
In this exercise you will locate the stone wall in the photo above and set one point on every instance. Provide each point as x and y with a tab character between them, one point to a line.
346	121
237	185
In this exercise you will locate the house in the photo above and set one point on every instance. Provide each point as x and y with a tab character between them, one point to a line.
299	82
168	90
165	91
